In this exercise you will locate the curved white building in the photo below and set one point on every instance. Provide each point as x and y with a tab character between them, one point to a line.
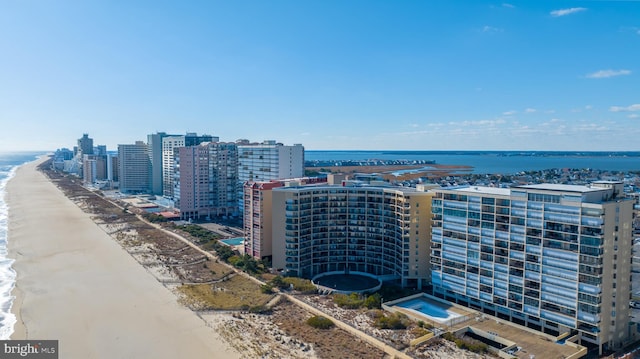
383	231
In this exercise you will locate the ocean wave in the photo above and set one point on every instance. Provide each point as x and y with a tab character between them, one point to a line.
7	283
7	274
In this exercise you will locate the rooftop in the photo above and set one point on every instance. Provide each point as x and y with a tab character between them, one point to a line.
483	190
562	187
325	186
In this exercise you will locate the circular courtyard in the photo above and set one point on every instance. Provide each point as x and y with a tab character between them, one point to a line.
347	283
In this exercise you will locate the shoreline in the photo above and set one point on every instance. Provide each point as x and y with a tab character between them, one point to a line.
75	284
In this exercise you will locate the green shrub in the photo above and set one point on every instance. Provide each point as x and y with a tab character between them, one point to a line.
301	285
449	336
233	260
376	314
354	301
476	347
266	289
259	309
279	282
424	325
295	283
154	218
419	332
392	321
351	301
320	322
372	301
224	252
470	345
199	232
244	262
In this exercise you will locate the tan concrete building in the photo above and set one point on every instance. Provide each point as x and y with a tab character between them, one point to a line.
257	210
206	180
383	231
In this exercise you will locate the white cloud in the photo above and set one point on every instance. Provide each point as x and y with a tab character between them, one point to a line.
591	127
603	74
530	110
488	28
555	126
632	29
564	12
509	113
513	134
588	107
510	6
634	107
483	122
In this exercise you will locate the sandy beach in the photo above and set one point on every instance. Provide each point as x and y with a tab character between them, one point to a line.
75	284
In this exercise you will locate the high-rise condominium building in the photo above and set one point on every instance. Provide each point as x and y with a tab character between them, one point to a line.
554	258
170	145
382	231
61	156
100	150
257	213
269	161
85	145
207	180
89	169
134	168
94	168
113	169
154	141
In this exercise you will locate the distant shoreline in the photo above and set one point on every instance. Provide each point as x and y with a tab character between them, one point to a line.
483	162
496	153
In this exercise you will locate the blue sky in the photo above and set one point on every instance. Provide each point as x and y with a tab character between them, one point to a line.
433	75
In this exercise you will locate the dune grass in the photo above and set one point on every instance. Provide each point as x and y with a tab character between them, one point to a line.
237	293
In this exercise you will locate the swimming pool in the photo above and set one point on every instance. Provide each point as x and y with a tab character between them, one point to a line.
429	309
238	241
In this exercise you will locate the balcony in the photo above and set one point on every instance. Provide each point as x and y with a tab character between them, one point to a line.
588	328
589	317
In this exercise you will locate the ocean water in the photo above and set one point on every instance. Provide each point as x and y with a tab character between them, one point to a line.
504	162
9	162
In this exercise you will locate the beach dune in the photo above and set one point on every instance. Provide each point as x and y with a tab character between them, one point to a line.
77	285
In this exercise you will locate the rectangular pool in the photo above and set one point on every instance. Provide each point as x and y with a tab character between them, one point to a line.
233	241
431	310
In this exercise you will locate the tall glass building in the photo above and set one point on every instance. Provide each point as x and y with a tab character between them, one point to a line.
554	258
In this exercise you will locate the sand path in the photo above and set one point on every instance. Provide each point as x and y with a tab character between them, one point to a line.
77	285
